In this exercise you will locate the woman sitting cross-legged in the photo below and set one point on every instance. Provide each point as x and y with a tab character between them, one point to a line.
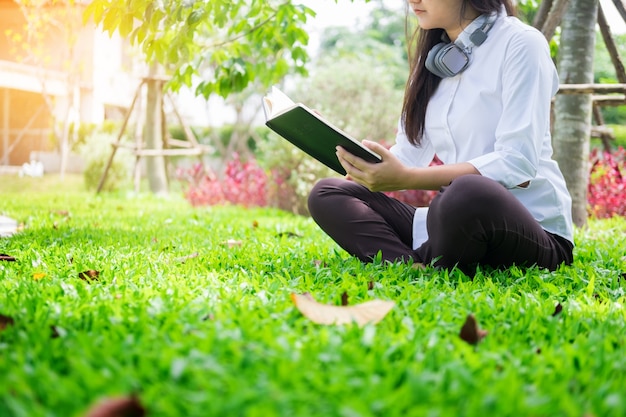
478	96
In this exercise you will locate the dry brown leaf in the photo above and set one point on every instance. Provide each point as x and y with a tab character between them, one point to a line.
368	312
319	263
231	243
470	331
5	321
89	275
344	299
117	407
7	258
182	259
288	234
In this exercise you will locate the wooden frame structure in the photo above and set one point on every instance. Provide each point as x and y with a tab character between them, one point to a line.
547	19
171	147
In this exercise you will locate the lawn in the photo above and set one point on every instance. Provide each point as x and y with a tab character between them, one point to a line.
190	312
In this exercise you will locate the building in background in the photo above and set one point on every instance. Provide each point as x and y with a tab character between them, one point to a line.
55	73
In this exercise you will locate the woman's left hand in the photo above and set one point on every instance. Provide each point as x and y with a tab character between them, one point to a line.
388	175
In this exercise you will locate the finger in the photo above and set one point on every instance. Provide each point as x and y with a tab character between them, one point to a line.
345	164
350	158
353	173
376	147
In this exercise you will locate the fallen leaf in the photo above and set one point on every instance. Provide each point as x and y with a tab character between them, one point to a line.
117	407
417	266
288	234
5	321
182	259
470	331
7	258
368	312
344	298
231	243
557	309
38	276
319	263
89	275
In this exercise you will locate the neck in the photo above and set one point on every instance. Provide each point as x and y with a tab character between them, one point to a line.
469	16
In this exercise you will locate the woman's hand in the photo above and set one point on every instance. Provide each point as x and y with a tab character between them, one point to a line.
388	175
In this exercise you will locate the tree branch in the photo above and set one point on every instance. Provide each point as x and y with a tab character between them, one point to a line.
610	45
554	18
619	5
542	13
243	35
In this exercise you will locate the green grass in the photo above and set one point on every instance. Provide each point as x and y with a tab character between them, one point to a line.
217	334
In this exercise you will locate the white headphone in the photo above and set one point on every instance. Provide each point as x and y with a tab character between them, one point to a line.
448	59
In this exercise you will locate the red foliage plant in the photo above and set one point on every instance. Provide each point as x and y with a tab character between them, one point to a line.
246	184
606	190
242	183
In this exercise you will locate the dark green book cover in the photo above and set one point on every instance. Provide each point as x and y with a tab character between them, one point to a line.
311	133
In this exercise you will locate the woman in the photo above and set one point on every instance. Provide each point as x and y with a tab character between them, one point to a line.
478	96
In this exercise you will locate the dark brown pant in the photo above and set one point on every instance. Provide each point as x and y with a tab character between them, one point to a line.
473	221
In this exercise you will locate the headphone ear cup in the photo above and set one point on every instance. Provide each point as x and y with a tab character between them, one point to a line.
446	60
431	60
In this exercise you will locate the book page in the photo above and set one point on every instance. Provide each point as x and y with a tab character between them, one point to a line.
276	102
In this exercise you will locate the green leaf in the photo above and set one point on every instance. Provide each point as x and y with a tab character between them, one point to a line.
111	20
126	25
95	10
194	17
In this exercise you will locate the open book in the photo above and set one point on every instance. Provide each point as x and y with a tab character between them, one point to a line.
310	132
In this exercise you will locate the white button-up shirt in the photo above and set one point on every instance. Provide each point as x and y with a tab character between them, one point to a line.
496	116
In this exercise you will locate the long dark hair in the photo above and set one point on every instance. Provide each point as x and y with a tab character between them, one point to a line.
421	83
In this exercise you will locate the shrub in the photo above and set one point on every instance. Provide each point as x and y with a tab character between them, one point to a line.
292	174
96	150
241	183
116	179
607	186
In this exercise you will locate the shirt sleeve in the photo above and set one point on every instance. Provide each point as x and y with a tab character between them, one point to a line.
529	81
409	154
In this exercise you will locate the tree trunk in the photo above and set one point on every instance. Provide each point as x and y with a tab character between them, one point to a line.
153	134
572	123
